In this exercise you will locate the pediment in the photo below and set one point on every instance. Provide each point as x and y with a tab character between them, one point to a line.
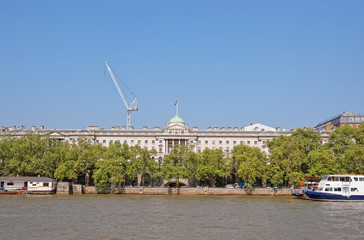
56	134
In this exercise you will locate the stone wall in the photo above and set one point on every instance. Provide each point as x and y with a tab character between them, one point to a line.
64	188
197	191
77	189
69	188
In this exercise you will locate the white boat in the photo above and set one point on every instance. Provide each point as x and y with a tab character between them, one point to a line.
36	185
341	187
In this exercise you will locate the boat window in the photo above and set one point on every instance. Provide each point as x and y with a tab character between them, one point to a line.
330	179
337	189
45	184
361	179
324	178
354	190
328	189
337	179
355	178
319	189
10	183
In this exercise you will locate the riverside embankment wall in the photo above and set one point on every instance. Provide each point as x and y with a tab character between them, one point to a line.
190	191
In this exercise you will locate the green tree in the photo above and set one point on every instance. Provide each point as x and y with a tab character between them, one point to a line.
212	165
289	156
144	162
111	168
180	163
251	162
67	170
321	162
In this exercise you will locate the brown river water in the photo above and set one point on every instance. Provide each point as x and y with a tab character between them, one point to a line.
177	217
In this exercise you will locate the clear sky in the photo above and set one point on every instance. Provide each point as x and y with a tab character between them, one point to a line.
229	63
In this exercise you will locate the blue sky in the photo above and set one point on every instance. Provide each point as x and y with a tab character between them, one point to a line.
229	63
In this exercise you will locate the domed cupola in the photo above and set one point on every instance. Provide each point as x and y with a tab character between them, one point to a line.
176	120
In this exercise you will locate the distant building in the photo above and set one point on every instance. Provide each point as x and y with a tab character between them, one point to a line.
346	118
176	132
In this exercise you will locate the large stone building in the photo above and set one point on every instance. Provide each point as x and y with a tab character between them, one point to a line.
163	139
346	118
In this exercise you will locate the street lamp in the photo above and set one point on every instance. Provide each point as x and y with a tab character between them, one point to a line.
233	170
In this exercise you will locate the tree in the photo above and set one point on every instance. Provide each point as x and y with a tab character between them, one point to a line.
144	162
211	165
251	162
180	163
289	156
111	168
67	170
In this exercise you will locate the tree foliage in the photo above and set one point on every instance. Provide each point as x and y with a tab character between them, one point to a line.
252	163
291	158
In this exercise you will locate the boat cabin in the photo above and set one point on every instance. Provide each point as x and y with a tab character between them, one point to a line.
31	184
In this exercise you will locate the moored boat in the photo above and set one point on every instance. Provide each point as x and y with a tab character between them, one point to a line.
33	185
341	187
308	184
6	192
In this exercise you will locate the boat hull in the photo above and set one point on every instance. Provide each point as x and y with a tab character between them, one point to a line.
322	196
9	193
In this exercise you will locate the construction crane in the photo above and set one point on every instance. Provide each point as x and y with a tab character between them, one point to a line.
129	107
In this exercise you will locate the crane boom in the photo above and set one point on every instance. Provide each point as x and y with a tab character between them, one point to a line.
129	108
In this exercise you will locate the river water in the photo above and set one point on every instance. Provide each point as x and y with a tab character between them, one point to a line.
177	217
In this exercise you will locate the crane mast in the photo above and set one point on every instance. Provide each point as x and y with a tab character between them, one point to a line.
129	107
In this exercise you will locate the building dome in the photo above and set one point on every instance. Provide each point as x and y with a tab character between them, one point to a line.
177	119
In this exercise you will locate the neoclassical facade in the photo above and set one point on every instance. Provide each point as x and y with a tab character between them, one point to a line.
163	139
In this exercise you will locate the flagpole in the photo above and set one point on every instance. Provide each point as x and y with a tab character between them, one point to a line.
176	107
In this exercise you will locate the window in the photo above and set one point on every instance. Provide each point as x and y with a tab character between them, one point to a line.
132	141
248	142
139	141
199	141
241	142
10	184
206	142
263	142
103	141
191	141
234	142
213	141
198	149
356	179
125	141
160	141
255	142
160	150
97	141
111	141
227	149
354	190
153	148
146	141
45	184
153	141
337	189
220	142
328	189
227	142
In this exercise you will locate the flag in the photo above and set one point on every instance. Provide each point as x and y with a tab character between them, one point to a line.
176	103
